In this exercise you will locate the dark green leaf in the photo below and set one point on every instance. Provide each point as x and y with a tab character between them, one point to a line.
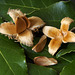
53	14
61	63
66	49
26	6
69	57
69	69
29	3
40	70
12	58
1	20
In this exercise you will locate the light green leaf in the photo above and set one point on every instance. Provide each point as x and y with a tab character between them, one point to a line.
12	58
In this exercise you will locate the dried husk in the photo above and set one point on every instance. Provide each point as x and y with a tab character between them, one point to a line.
54	45
65	22
70	37
7	28
25	37
36	23
51	32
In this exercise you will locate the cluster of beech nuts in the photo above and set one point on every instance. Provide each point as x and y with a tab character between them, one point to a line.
22	31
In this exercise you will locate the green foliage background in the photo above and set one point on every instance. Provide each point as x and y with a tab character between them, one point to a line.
13	55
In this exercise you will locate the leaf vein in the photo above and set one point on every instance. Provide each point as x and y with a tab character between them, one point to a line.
31	3
20	6
44	4
23	2
7	62
66	60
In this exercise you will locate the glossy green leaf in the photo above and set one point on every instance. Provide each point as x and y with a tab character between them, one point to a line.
40	70
12	58
66	49
53	14
69	69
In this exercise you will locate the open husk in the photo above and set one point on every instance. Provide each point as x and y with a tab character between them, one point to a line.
59	35
22	28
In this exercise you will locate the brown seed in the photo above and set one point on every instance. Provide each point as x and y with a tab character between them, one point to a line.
27	21
44	61
40	45
20	25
